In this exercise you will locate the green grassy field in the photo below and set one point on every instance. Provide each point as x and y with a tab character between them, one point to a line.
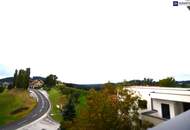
56	98
61	98
14	105
82	103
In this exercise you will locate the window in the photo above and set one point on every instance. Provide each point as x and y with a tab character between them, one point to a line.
142	104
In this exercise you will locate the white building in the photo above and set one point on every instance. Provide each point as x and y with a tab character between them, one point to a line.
163	102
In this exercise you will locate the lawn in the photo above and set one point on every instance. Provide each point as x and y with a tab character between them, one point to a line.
61	98
56	98
14	105
82	103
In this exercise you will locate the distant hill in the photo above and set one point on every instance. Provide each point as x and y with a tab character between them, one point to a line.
185	82
8	79
38	78
84	86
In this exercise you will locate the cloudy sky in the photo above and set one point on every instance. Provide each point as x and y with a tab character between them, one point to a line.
93	41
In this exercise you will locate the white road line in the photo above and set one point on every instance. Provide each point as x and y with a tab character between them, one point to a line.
21	122
43	101
34	115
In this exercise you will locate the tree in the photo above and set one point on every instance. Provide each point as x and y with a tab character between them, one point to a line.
167	82
105	110
51	80
21	78
148	81
28	76
125	83
15	78
2	89
69	111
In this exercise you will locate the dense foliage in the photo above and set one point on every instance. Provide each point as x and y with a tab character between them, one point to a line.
105	110
21	79
144	82
51	80
69	112
167	82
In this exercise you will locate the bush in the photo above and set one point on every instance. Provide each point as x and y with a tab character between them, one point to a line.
2	89
19	110
69	112
10	86
66	91
146	124
46	88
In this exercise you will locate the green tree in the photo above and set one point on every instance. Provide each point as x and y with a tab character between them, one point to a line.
69	111
167	82
15	78
51	80
2	89
21	78
105	110
148	81
125	83
28	76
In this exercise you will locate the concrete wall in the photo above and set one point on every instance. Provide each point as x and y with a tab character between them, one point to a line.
157	106
178	108
175	107
172	96
144	94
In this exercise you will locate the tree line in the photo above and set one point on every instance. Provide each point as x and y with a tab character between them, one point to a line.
104	110
21	78
166	82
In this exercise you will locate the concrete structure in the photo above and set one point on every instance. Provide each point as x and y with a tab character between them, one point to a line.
163	102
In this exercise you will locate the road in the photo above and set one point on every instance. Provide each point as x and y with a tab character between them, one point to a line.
41	109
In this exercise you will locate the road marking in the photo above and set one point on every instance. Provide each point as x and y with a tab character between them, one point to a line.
34	115
21	122
43	103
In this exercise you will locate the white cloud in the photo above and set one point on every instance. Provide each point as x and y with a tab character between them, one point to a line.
95	41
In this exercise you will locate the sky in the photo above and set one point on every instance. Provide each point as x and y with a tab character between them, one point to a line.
95	41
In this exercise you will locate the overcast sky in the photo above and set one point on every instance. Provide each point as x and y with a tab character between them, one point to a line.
93	41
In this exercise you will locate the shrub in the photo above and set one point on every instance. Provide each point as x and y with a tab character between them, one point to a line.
10	86
18	110
146	124
2	89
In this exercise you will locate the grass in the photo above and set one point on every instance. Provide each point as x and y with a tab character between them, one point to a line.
14	105
82	103
56	98
61	98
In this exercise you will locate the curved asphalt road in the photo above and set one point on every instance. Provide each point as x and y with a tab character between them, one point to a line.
41	108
